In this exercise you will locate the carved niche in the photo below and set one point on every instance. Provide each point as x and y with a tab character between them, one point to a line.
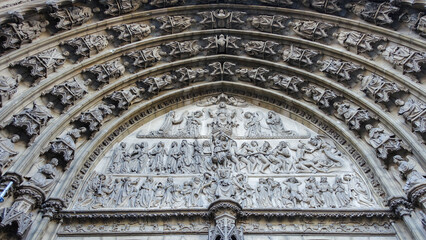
260	49
99	75
40	64
29	122
83	47
299	56
66	93
267	23
378	88
133	32
311	30
183	49
175	24
69	17
222	44
93	119
377	13
410	60
224	148
341	70
13	35
8	87
362	42
221	18
119	7
145	58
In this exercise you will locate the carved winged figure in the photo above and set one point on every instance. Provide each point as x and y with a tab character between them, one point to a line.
222	18
291	84
410	60
311	30
361	41
175	24
300	57
414	111
267	23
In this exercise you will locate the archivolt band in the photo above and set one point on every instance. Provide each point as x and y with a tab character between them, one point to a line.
218	120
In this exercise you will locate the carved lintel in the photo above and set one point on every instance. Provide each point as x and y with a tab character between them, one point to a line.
52	206
400	206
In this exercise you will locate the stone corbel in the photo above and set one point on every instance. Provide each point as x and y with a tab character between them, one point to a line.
400	206
52	206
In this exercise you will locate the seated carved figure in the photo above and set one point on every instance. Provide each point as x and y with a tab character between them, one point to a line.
383	142
45	176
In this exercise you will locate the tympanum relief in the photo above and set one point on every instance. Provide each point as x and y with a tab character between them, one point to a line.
223	147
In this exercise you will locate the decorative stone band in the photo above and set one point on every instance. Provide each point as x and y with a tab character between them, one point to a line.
167	213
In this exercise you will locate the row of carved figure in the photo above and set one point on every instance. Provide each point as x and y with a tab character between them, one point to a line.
20	31
206	121
308	192
316	155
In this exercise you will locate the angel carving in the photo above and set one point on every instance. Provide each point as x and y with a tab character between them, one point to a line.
252	124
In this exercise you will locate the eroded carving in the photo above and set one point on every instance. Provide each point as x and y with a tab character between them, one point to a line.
384	142
93	119
299	57
7	151
377	13
267	23
84	46
46	176
414	111
353	115
66	18
222	43
67	93
8	87
339	69
222	18
362	42
146	57
183	49
13	35
283	82
100	75
378	88
311	30
410	60
260	48
175	24
133	32
115	8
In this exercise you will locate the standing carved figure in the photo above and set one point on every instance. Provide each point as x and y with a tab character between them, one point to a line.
342	196
312	198
167	127
326	193
156	156
193	124
295	196
225	187
252	124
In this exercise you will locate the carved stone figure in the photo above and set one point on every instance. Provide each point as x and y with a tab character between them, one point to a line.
260	48
377	13
267	23
183	49
377	87
383	142
321	96
353	115
65	146
166	128
295	195
115	8
311	30
222	18
409	172
7	151
410	60
146	57
190	75
326	6
357	190
13	35
419	24
299	57
156	162
291	84
66	18
132	32
8	87
311	196
40	64
252	124
175	24
222	43
276	125
414	111
342	196
123	98
45	176
192	124
222	69
96	191
341	70
156	84
102	73
280	3
166	3
361	41
84	46
93	119
67	93
223	119
31	121
255	75
225	187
